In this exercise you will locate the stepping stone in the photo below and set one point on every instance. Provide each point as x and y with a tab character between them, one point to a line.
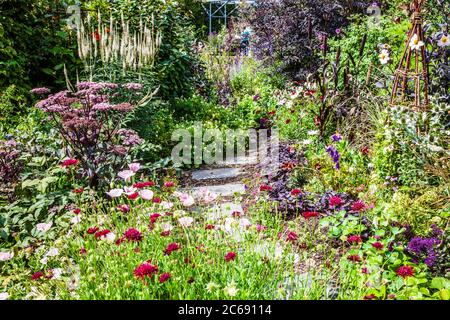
223	173
222	190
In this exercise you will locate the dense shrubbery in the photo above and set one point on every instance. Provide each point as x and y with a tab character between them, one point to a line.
91	206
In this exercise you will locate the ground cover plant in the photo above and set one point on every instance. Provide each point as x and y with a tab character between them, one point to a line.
93	204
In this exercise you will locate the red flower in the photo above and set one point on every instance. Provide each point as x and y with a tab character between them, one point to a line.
156	200
140	185
291	236
165	233
354	239
78	191
288	121
169	184
230	256
358	205
164	277
377	245
354	258
310	214
335	201
265	187
69	163
364	271
295	192
124	208
83	251
365	150
102	233
405	271
133	196
171	247
154	217
145	270
209	227
96	35
133	235
92	230
37	275
77	211
369	297
272	113
120	240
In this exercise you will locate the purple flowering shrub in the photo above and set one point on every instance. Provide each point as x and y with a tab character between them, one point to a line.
89	121
291	34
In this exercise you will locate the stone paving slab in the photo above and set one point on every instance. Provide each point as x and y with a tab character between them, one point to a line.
223	173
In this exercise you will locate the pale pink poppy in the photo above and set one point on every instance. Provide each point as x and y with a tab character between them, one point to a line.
186	199
5	256
166	205
115	193
129	190
126	174
146	194
186	221
44	227
134	167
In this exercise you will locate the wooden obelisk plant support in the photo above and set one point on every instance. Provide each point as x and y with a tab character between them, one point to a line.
413	67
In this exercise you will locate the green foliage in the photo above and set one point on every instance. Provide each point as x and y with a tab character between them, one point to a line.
13	104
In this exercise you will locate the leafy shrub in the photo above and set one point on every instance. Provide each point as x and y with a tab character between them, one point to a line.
291	34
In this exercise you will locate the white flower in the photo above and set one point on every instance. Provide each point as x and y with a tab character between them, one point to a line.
57	272
134	167
434	148
211	286
44	260
146	194
5	256
110	237
75	220
129	190
4	295
228	225
278	250
294	95
444	41
313	132
415	43
186	199
244	223
186	221
53	252
384	56
167	227
115	193
307	142
209	196
231	290
126	174
166	205
44	227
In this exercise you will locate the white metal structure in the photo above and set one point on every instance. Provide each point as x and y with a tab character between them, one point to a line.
222	9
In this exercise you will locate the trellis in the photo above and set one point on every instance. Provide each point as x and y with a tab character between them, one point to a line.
221	9
413	66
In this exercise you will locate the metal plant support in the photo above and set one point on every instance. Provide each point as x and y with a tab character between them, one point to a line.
413	67
221	9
